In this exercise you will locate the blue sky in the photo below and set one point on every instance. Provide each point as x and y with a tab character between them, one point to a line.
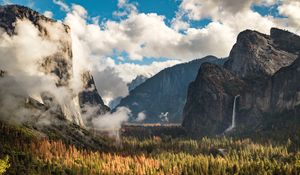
105	9
155	34
168	9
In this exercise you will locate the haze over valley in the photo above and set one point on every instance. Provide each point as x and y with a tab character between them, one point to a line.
130	87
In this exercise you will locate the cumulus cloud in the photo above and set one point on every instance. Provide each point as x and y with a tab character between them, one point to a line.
141	117
27	74
291	10
63	6
48	14
125	8
112	122
133	34
94	44
110	84
216	9
228	18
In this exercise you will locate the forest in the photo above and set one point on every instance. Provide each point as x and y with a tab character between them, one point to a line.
23	152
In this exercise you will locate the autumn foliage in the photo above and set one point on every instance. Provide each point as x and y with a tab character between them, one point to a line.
153	155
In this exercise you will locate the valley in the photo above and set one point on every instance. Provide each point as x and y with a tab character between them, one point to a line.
66	109
29	154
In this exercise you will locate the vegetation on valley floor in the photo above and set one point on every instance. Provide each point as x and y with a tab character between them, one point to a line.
29	154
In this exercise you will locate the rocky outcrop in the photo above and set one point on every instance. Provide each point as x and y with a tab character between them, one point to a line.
11	13
59	63
257	99
256	54
136	82
162	97
208	109
285	93
267	68
90	96
58	66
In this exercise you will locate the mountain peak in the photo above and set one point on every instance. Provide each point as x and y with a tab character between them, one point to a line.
251	37
285	40
11	13
256	54
57	65
165	92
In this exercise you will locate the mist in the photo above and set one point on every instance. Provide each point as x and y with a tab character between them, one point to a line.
27	77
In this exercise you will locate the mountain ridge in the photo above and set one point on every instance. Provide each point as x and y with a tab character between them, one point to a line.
269	83
161	98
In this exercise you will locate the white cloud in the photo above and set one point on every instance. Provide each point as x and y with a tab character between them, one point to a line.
291	10
112	122
229	18
111	78
141	117
63	6
27	72
143	35
216	9
128	71
93	44
48	14
178	24
125	8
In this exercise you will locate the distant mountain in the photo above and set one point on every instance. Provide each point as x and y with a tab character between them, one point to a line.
132	85
136	82
262	71
162	97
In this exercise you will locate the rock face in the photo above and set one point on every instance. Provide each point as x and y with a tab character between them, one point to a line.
60	63
256	54
162	97
210	100
286	88
265	70
90	96
136	82
59	66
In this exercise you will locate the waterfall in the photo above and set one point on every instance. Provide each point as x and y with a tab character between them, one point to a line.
233	115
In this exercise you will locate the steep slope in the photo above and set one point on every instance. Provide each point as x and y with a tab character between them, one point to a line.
90	96
208	109
267	66
286	88
59	101
257	98
136	82
162	97
59	63
256	54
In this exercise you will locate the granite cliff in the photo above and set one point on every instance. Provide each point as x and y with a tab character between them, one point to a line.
162	97
261	69
58	66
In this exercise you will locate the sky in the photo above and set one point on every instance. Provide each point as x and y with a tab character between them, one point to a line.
121	39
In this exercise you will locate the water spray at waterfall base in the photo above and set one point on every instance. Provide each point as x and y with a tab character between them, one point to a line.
233	124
